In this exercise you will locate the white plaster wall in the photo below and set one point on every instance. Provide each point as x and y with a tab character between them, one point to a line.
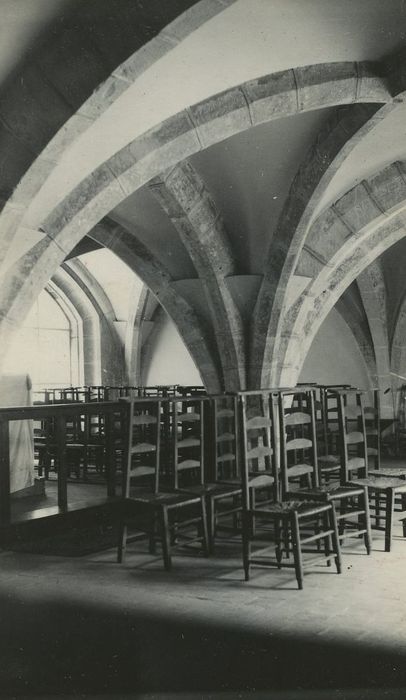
334	356
116	278
170	361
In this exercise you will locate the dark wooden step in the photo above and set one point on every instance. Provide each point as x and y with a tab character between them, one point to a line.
42	522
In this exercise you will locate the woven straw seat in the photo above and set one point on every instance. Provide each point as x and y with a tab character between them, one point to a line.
381	482
300	470
396	472
217	489
355	463
329	461
296	526
282	508
167	499
329	492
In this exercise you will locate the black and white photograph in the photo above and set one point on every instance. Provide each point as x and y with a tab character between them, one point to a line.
203	349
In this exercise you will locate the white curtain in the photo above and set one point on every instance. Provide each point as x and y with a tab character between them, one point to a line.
15	390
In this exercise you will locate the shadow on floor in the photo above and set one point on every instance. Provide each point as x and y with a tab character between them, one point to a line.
59	648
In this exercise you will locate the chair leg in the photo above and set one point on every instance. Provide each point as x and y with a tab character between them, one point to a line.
343	510
85	463
377	509
297	552
211	521
286	538
205	536
166	539
278	549
235	515
316	532
327	540
390	504
47	464
152	536
335	538
252	505
246	543
122	541
367	518
403	497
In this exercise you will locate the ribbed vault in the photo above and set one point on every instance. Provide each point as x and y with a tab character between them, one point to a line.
371	218
243	327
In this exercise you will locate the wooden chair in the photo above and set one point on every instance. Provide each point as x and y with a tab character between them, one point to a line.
301	477
290	519
85	440
261	474
380	498
95	393
94	430
197	423
73	439
164	514
373	431
382	490
327	430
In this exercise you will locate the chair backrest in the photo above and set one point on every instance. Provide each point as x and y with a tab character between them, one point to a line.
111	393
352	434
190	390
142	444
298	441
327	427
258	454
187	434
95	393
223	438
373	428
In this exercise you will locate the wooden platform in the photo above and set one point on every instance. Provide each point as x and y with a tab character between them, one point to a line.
39	516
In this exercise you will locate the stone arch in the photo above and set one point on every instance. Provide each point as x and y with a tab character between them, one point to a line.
333	144
193	329
90	324
109	344
186	200
77	330
133	336
146	350
360	336
398	351
371	284
255	102
57	90
371	218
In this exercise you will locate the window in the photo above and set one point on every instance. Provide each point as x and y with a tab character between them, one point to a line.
48	347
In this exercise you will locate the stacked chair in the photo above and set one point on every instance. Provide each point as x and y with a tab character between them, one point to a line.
373	431
385	488
298	526
327	430
299	460
192	428
158	509
296	471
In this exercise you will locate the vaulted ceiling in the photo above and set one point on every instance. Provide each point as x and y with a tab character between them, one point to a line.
207	143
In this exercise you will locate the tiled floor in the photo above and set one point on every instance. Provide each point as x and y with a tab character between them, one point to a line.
88	626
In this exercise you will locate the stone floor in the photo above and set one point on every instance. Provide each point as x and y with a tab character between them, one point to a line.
87	627
84	627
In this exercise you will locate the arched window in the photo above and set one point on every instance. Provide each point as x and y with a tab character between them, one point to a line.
49	345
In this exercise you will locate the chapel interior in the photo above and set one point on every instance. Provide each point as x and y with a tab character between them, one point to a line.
203	348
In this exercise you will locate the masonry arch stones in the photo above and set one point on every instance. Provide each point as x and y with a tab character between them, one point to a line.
45	243
363	223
